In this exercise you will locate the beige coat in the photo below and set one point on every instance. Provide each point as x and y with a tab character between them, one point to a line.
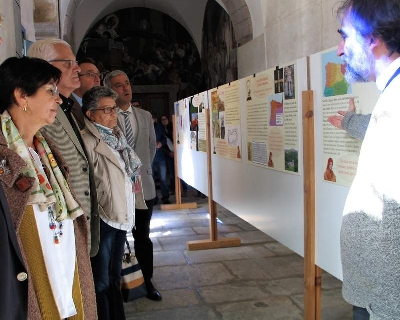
109	176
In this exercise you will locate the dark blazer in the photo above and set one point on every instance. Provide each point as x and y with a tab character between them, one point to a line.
13	274
76	110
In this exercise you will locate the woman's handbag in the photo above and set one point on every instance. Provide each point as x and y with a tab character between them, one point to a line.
132	281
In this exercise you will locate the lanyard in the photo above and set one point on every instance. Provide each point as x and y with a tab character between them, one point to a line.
393	76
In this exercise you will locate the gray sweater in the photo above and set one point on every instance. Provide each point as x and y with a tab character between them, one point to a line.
356	124
370	232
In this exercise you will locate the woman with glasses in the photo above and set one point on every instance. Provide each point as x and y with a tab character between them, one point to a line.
50	225
116	170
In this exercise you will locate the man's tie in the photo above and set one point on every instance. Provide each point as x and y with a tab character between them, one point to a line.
128	130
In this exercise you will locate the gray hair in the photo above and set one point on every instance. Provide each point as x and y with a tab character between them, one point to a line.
45	48
110	75
91	98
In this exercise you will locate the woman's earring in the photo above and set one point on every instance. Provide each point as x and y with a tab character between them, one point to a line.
25	106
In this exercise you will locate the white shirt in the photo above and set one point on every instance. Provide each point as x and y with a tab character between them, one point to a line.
59	258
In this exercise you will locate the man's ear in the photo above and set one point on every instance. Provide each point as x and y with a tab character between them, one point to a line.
20	97
374	42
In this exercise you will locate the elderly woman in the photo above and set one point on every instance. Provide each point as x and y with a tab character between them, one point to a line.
116	170
51	229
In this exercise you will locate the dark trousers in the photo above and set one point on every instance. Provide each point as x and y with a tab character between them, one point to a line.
160	165
143	243
360	313
171	170
106	266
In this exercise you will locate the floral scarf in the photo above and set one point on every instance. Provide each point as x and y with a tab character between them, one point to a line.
50	188
116	140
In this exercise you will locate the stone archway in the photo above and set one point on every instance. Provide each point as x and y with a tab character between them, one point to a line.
241	20
237	10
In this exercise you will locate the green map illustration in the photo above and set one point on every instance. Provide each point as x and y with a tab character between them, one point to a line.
333	70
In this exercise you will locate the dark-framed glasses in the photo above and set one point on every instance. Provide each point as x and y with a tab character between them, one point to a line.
107	110
68	63
92	75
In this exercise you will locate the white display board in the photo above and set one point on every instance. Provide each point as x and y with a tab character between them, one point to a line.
330	197
271	200
192	168
192	164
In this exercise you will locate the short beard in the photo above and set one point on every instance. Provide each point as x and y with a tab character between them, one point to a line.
352	76
360	69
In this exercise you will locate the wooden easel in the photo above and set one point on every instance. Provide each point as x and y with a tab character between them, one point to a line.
178	205
213	242
312	273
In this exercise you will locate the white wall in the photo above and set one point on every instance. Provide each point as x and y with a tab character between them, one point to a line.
7	31
298	28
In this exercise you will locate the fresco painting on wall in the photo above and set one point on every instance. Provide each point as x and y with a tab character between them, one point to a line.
219	47
150	46
154	49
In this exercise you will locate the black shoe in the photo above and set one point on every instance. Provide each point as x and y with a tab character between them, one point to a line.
152	292
165	200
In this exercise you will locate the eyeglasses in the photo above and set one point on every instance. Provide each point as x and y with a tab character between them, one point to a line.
91	75
67	62
106	110
53	91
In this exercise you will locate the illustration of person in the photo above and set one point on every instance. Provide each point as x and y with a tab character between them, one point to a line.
270	162
248	90
238	155
329	175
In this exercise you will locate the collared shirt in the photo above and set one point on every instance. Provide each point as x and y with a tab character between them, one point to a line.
77	98
384	77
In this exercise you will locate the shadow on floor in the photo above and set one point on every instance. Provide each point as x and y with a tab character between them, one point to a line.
260	280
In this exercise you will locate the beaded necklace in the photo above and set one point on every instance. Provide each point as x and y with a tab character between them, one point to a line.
54	225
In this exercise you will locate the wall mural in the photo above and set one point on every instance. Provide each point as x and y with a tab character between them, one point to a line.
219	47
154	49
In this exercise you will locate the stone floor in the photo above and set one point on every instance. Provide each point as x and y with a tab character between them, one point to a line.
260	280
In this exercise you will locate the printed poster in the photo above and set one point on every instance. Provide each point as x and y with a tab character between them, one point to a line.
197	106
225	121
272	119
340	150
182	123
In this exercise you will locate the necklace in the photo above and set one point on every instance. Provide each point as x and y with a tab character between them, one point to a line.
55	226
57	232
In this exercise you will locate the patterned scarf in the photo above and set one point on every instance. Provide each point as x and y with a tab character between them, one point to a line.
51	188
116	140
